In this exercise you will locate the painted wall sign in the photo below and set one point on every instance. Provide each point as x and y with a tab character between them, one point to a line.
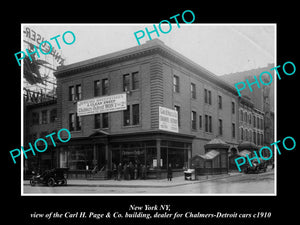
168	119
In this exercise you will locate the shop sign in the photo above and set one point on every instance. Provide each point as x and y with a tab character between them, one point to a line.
104	104
168	119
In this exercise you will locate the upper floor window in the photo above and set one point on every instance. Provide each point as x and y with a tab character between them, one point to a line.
177	108
104	86
220	101
96	88
232	107
193	90
135	80
78	92
126	82
131	81
207	96
44	117
75	93
193	119
176	84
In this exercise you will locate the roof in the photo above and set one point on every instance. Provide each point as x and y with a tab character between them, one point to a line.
154	46
209	155
216	143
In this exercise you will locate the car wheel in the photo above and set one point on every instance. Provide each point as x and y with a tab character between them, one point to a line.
63	182
32	182
50	182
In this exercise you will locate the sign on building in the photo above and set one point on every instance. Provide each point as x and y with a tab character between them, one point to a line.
103	104
168	119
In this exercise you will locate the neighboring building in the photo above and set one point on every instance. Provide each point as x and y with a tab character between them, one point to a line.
40	120
263	100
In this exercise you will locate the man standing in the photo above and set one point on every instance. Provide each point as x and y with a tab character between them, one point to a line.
169	172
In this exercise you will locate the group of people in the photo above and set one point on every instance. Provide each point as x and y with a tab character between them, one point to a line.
129	171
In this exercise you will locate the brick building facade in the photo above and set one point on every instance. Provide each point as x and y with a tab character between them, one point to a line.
151	75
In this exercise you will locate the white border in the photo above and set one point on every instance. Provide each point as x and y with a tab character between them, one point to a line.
149	194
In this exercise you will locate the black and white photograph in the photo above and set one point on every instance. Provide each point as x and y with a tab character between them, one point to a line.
139	109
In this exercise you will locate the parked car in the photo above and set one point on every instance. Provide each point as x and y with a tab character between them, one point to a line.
256	167
50	177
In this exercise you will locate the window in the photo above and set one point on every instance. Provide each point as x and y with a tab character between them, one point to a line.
193	90
126	116
177	108
35	118
257	123
135	114
44	117
200	122
78	92
242	134
176	84
104	120
96	88
208	123
220	101
220	127
207	96
101	119
78	122
71	93
193	119
126	82
232	107
97	120
249	119
135	80
254	121
71	121
104	86
53	115
241	115
233	130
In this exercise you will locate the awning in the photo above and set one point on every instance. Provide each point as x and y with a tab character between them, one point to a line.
244	153
211	154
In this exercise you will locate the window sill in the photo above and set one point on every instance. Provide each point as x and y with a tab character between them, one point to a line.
131	126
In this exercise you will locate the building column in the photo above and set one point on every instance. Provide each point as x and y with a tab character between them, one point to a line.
95	161
158	173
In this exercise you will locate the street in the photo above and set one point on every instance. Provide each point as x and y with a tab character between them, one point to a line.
240	184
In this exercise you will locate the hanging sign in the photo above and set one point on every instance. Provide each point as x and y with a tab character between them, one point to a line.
103	104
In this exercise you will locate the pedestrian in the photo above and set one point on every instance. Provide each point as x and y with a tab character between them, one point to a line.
169	172
119	171
114	169
131	171
135	171
143	172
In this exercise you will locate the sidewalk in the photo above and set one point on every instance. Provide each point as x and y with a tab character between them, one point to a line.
176	181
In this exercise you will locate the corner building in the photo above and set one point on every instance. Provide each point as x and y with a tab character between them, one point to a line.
151	75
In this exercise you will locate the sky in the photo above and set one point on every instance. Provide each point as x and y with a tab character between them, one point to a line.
221	49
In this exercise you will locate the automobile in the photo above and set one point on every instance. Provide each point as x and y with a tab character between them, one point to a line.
256	167
50	177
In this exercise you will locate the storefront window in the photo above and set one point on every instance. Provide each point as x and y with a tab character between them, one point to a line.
77	157
174	153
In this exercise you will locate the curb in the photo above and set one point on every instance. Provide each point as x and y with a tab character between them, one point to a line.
152	186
